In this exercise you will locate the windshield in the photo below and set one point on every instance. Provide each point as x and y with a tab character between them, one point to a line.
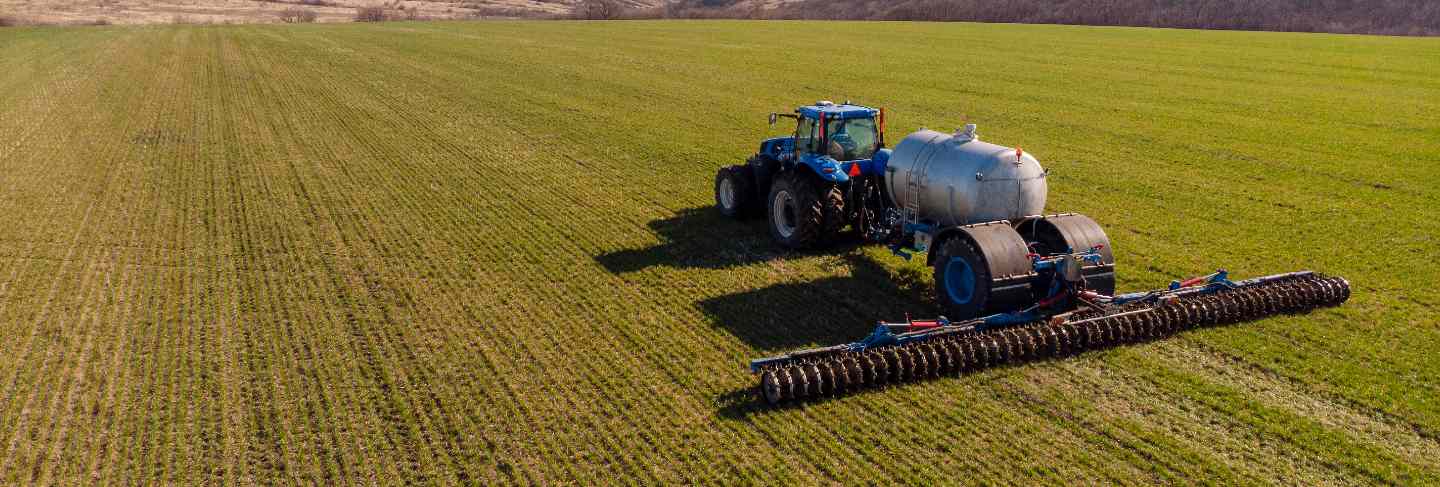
851	139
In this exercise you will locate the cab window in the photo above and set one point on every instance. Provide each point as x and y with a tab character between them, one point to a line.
805	135
851	139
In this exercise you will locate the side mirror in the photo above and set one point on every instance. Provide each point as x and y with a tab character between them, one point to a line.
773	117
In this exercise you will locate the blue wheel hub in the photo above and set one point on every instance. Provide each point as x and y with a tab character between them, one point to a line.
959	281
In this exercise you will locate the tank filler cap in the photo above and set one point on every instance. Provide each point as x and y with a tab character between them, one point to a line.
967	133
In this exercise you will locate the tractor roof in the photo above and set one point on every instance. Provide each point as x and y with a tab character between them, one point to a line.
833	111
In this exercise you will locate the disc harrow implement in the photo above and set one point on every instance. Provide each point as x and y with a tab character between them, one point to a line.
917	350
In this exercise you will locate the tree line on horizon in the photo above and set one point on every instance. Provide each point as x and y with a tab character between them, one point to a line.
1386	17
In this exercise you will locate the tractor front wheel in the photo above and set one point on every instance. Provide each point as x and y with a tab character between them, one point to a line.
733	191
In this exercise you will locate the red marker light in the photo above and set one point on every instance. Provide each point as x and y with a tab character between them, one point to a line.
1019	152
854	169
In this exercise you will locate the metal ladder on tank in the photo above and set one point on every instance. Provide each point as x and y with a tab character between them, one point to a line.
910	213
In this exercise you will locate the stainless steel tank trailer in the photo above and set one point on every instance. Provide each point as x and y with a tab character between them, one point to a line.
1013	284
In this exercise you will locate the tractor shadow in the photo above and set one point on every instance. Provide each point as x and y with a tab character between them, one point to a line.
697	238
702	238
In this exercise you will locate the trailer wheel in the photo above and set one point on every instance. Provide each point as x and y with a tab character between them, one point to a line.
795	211
1054	234
733	191
982	269
962	279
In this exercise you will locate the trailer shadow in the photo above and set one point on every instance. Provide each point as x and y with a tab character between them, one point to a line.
822	312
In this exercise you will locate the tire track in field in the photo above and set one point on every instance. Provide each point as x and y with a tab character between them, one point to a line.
365	274
376	349
1128	404
91	313
212	323
106	179
235	415
1300	432
1375	427
349	279
184	327
319	435
257	451
346	302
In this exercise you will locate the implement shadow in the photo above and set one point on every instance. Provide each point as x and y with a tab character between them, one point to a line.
825	312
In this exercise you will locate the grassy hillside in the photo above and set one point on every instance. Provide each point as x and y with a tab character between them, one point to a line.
481	252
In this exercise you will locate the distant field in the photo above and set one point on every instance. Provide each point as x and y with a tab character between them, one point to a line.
483	252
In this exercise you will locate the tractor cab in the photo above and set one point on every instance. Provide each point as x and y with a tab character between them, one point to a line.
840	132
833	141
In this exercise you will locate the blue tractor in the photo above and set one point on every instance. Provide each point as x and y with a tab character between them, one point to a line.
801	182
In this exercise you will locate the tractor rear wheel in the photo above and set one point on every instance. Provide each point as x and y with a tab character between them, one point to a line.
734	193
832	202
796	211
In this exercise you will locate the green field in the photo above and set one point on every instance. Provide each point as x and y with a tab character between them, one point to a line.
484	252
